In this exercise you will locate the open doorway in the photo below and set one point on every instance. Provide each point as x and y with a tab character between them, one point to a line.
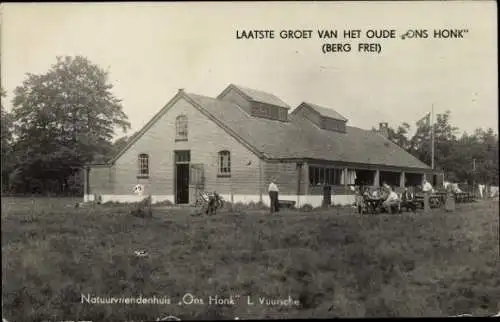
182	160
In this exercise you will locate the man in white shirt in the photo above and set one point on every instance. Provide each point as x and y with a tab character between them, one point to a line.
481	190
391	201
273	195
427	189
427	186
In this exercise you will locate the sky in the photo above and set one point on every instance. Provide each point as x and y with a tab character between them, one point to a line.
153	49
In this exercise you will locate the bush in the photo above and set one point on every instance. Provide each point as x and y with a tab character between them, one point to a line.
164	203
341	206
196	211
142	209
256	206
306	207
240	206
111	203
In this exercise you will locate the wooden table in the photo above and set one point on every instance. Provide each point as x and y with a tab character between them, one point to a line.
371	205
435	200
464	197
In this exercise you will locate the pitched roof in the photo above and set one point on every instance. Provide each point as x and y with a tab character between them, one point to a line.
260	96
327	112
299	138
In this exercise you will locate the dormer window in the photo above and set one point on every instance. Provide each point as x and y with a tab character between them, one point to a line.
256	103
181	128
269	112
325	118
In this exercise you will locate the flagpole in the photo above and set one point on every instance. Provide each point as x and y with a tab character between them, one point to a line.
432	137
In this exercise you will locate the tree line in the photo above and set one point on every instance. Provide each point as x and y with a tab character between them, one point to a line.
463	157
68	117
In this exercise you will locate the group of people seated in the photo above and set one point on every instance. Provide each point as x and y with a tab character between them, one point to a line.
453	187
388	199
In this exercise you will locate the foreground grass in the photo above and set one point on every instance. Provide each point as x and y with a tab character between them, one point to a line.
336	263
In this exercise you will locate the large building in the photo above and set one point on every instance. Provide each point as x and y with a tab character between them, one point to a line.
235	143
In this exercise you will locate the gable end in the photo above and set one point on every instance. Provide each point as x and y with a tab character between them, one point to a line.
169	105
148	125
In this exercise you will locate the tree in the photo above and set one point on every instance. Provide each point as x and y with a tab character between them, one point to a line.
455	156
6	130
420	145
119	145
400	136
7	140
476	157
488	169
63	118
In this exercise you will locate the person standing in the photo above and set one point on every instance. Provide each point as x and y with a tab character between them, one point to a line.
427	189
449	204
273	195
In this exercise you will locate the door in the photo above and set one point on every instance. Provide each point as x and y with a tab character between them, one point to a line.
182	183
182	160
196	180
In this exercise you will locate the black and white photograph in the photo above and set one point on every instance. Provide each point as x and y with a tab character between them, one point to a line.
169	161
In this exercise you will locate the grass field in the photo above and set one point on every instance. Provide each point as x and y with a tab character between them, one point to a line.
336	263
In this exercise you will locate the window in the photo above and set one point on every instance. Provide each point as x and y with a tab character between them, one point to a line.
181	127
224	163
283	114
261	111
143	165
324	176
274	112
182	156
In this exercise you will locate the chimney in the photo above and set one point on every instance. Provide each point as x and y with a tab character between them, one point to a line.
181	90
383	129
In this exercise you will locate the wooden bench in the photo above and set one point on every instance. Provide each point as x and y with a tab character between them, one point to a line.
286	203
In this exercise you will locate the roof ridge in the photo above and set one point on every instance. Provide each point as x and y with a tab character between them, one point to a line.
292	139
326	109
275	100
190	93
250	88
221	101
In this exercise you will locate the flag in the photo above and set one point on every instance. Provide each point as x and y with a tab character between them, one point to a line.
426	120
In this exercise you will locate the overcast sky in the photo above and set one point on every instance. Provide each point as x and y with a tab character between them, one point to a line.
154	49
